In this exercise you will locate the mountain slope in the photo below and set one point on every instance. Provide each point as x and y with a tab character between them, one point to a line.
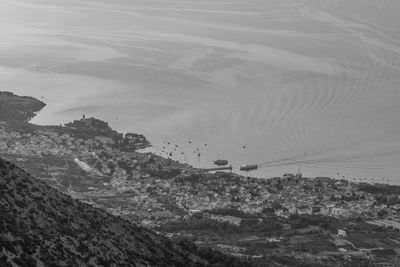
39	226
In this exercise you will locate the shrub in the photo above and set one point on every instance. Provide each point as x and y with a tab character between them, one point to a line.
3	164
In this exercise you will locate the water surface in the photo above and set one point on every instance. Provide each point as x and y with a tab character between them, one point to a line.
302	84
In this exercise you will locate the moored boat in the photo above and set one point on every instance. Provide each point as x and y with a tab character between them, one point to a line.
248	167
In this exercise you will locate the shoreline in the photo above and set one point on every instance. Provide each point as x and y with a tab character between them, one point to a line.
149	148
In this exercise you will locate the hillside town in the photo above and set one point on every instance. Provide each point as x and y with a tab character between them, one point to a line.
306	218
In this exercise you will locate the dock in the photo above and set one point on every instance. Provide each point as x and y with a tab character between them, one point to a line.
219	169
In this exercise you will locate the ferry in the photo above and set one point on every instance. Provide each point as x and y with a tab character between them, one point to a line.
248	167
221	162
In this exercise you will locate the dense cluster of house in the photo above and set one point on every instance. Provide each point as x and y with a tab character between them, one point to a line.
192	190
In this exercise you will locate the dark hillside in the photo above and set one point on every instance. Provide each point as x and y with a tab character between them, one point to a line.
15	108
40	226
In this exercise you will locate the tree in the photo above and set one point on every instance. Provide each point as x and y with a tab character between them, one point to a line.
382	213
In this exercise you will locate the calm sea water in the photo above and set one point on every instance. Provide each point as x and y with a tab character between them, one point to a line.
285	84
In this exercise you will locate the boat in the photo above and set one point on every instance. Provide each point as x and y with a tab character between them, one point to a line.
221	162
248	167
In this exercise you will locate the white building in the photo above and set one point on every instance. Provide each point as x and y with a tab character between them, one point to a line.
342	233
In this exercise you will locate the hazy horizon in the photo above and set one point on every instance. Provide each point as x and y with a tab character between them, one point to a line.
314	81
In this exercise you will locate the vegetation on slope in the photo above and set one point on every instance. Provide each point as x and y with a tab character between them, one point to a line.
39	226
15	108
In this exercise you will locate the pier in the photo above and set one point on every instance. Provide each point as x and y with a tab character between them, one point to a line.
230	168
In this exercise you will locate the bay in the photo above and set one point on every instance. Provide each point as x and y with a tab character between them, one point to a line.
289	85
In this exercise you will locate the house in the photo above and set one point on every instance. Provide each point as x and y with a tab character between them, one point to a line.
282	213
304	210
229	219
342	233
288	175
340	212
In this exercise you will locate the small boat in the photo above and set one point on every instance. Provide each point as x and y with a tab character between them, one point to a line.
221	162
248	167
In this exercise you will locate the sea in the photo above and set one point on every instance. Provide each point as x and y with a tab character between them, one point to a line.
310	86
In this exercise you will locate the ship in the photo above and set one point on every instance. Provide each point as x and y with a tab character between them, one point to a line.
248	167
221	162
